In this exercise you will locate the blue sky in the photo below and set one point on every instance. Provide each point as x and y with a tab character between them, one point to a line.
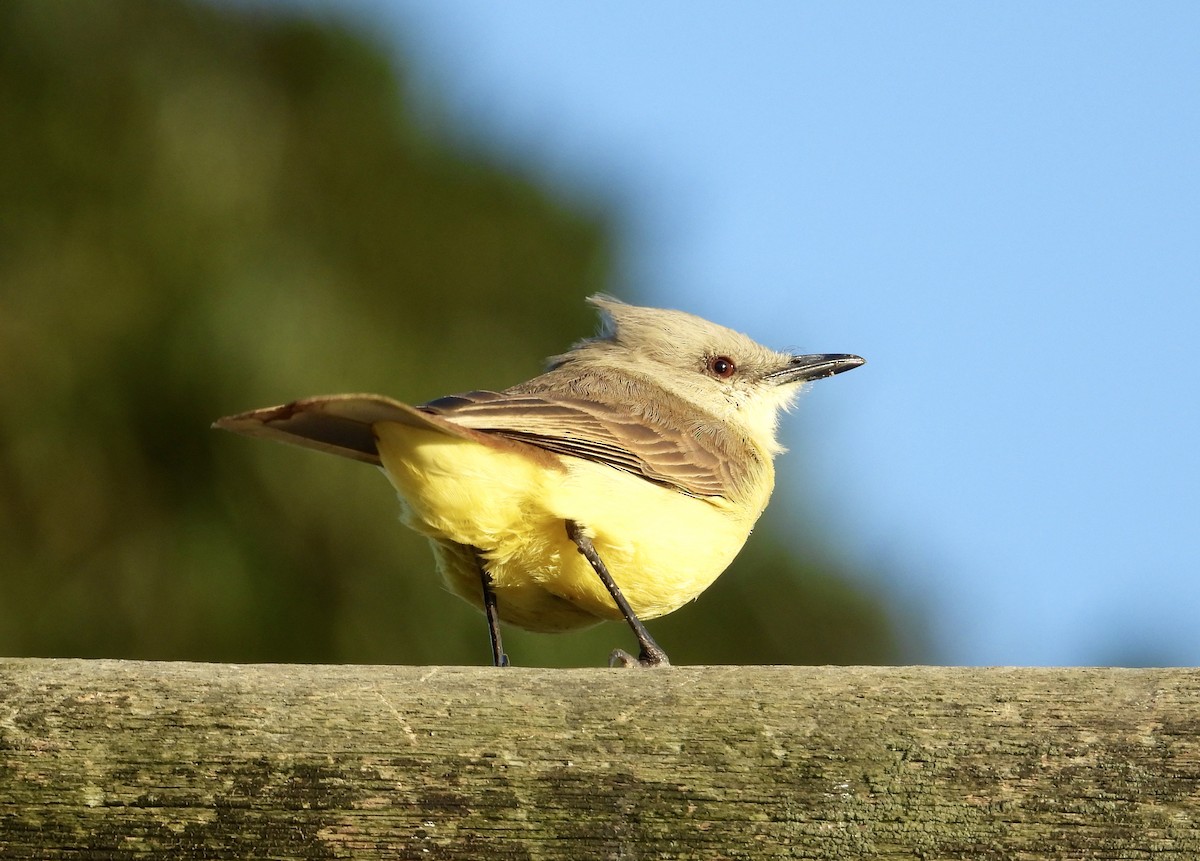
998	205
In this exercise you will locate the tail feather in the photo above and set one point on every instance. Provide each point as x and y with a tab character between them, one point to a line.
344	425
337	424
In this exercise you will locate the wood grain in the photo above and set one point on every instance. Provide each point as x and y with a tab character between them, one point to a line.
115	759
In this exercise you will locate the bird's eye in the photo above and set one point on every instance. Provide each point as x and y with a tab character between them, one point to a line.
721	367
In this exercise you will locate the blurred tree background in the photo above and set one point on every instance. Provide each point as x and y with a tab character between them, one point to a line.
204	210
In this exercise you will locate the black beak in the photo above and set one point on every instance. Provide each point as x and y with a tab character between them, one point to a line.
804	368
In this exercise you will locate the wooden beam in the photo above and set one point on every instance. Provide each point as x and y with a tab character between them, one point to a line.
116	759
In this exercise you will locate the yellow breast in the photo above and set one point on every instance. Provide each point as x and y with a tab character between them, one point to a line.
662	547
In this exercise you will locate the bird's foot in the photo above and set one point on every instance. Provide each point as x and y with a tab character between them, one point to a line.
655	657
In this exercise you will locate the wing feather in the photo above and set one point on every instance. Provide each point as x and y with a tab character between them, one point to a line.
699	460
690	461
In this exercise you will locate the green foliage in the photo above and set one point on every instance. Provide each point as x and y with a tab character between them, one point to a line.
204	211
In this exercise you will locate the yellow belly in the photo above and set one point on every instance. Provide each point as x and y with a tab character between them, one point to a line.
663	548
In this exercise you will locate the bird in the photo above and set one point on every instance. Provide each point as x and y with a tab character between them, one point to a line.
618	484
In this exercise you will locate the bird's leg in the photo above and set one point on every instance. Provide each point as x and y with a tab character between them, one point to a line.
650	654
499	659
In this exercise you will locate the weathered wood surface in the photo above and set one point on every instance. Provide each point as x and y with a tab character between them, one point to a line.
111	759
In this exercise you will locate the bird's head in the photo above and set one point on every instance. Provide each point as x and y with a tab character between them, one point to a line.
722	373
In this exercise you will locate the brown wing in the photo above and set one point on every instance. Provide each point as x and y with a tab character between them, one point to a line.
689	460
